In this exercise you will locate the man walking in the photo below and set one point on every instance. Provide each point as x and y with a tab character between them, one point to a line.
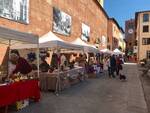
113	65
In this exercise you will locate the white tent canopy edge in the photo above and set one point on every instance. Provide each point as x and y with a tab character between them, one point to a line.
10	34
50	40
87	47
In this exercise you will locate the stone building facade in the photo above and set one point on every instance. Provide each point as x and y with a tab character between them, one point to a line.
142	20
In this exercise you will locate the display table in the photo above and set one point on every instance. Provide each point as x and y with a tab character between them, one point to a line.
93	71
11	93
66	79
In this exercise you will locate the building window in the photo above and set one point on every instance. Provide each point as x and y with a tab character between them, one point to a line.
148	54
108	47
146	41
17	10
145	28
145	17
136	43
108	40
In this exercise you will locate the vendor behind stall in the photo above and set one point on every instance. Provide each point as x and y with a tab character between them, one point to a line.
63	62
22	66
44	66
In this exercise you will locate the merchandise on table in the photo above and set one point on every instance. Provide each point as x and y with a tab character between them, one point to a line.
67	78
22	104
18	91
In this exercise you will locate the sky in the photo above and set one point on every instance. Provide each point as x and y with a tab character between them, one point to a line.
123	10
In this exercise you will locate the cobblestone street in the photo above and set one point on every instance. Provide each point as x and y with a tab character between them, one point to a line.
103	95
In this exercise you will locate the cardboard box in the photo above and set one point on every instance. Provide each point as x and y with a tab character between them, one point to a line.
22	104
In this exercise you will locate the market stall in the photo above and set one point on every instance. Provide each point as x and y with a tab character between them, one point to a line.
51	78
17	87
92	64
54	79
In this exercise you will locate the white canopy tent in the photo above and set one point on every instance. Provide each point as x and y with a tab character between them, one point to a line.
117	51
87	47
50	40
107	51
12	38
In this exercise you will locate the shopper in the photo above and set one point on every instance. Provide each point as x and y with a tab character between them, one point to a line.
118	64
113	65
108	66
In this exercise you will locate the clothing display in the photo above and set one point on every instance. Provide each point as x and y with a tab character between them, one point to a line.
31	56
63	60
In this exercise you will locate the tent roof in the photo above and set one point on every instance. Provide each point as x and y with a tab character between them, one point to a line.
87	47
78	41
49	37
16	36
117	51
106	51
50	40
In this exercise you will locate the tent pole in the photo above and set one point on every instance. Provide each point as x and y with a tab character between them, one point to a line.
58	77
38	60
8	58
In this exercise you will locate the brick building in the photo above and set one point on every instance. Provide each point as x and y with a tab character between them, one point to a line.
81	11
130	36
101	2
38	19
115	34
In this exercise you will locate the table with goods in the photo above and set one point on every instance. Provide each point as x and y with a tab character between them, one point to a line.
19	91
66	78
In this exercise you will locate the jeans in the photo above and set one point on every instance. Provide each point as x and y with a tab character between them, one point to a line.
109	71
113	69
